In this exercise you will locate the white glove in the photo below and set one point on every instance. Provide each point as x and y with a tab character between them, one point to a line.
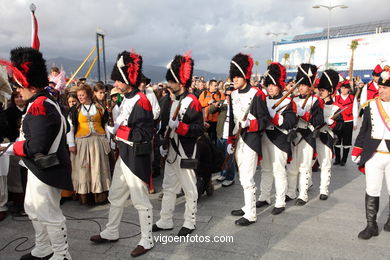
329	121
355	159
245	124
230	149
173	124
112	145
112	129
163	152
300	111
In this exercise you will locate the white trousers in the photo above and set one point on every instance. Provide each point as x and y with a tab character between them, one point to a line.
302	155
377	167
325	160
176	178
246	160
3	193
273	166
42	204
124	184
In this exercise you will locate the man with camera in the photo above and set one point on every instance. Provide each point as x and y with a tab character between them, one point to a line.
210	97
222	129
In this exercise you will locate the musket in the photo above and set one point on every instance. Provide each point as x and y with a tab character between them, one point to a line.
307	98
287	94
308	95
234	144
169	130
338	112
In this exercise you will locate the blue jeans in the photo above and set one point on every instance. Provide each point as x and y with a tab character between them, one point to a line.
231	169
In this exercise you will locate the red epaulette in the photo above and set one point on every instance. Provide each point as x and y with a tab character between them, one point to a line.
37	108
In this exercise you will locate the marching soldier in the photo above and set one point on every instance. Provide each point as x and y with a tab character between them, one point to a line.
42	146
250	117
134	131
185	128
276	149
345	100
372	153
333	123
310	115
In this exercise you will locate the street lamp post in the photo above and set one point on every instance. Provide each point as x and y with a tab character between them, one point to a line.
276	35
330	8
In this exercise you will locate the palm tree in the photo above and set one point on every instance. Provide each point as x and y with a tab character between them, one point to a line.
257	67
269	61
286	56
354	45
312	50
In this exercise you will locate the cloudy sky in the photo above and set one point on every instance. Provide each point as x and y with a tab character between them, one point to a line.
214	30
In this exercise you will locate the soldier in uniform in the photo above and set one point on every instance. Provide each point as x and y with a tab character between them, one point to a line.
42	146
345	100
180	163
326	136
250	118
310	115
276	149
372	153
134	131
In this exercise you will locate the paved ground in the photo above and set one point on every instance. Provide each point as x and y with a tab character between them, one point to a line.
319	230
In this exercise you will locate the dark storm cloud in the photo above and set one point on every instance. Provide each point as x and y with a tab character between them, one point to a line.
158	29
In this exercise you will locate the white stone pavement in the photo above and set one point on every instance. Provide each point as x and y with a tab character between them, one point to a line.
318	230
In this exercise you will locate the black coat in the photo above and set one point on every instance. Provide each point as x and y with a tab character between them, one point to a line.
140	122
40	127
364	139
277	137
165	106
13	116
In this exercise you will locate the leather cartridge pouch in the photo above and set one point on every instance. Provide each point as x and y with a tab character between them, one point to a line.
189	163
45	161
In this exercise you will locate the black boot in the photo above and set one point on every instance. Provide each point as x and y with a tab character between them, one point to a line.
345	156
372	207
387	225
337	152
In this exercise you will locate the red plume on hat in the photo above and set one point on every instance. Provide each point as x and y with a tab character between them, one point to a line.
185	70
249	68
17	75
133	68
282	78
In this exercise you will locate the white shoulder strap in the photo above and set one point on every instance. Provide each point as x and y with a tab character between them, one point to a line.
56	143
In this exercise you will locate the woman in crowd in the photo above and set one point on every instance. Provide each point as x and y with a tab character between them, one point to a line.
89	148
71	101
99	95
17	175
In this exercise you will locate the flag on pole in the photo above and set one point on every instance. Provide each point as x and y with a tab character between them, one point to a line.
34	36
